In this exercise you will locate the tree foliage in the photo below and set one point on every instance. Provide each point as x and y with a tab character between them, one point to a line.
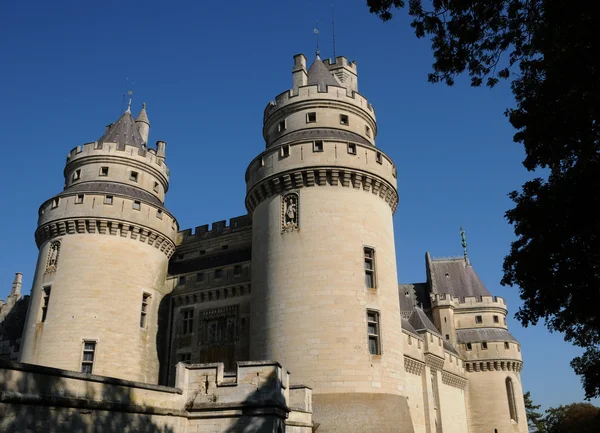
573	418
535	419
546	47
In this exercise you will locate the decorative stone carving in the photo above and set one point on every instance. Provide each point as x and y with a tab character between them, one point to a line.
219	326
53	252
290	220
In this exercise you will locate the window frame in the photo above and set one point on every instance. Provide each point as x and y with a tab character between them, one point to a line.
146	299
187	321
344	119
318	146
46	292
85	350
478	320
134	176
370	257
352	148
376	336
308	117
103	171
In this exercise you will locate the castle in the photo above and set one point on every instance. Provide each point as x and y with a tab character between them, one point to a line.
136	325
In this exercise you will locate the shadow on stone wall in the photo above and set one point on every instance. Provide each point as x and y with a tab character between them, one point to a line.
44	403
11	328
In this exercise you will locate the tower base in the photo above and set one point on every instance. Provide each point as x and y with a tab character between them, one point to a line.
365	413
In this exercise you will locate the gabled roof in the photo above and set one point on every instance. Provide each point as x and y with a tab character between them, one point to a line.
420	322
123	132
320	75
456	277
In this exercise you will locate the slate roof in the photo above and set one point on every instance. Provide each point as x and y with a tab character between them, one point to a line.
483	334
322	134
320	75
113	188
420	322
123	132
143	116
457	278
406	325
450	348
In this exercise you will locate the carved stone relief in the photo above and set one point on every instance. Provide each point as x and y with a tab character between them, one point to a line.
290	220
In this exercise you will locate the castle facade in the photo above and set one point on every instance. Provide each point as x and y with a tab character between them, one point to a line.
170	328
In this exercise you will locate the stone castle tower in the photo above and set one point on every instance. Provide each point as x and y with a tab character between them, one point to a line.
325	295
306	279
104	245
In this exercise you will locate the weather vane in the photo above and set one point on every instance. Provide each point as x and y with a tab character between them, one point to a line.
463	238
317	35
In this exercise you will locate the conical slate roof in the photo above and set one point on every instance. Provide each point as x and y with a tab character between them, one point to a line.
143	116
319	74
123	132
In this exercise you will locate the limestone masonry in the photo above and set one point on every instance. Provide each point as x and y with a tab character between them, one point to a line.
134	325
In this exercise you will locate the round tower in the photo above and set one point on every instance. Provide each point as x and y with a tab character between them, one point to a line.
325	298
104	244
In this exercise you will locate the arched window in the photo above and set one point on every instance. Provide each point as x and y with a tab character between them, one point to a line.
53	256
510	394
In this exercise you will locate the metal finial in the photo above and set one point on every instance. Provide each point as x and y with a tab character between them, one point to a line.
129	105
463	238
317	35
333	29
143	105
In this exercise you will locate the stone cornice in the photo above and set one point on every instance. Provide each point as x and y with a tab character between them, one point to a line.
454	380
321	176
498	365
103	226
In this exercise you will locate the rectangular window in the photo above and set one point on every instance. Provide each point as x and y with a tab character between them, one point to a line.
373	332
496	320
55	203
79	199
155	187
369	267
469	346
367	131
133	176
224	247
144	312
187	321
478	319
447	337
484	345
45	302
87	361
285	151
311	117
318	146
137	205
103	171
218	273
182	281
186	358
281	126
237	270
200	277
344	119
77	174
159	213
352	148
506	345
108	199
379	158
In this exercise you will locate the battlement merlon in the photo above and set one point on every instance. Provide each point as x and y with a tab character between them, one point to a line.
312	92
150	157
345	71
447	300
217	228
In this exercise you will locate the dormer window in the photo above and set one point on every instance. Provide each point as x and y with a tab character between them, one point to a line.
133	176
103	171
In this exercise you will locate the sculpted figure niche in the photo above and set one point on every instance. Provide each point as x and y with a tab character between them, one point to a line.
52	261
289	212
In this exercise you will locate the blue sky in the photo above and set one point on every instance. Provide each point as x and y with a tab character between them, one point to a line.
207	72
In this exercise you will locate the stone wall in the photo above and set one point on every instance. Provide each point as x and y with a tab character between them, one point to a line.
36	399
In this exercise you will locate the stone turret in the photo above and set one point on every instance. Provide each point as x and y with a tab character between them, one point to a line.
325	301
143	124
474	321
104	244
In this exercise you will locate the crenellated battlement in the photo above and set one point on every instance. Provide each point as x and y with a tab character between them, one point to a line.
340	61
145	156
313	93
217	228
446	299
